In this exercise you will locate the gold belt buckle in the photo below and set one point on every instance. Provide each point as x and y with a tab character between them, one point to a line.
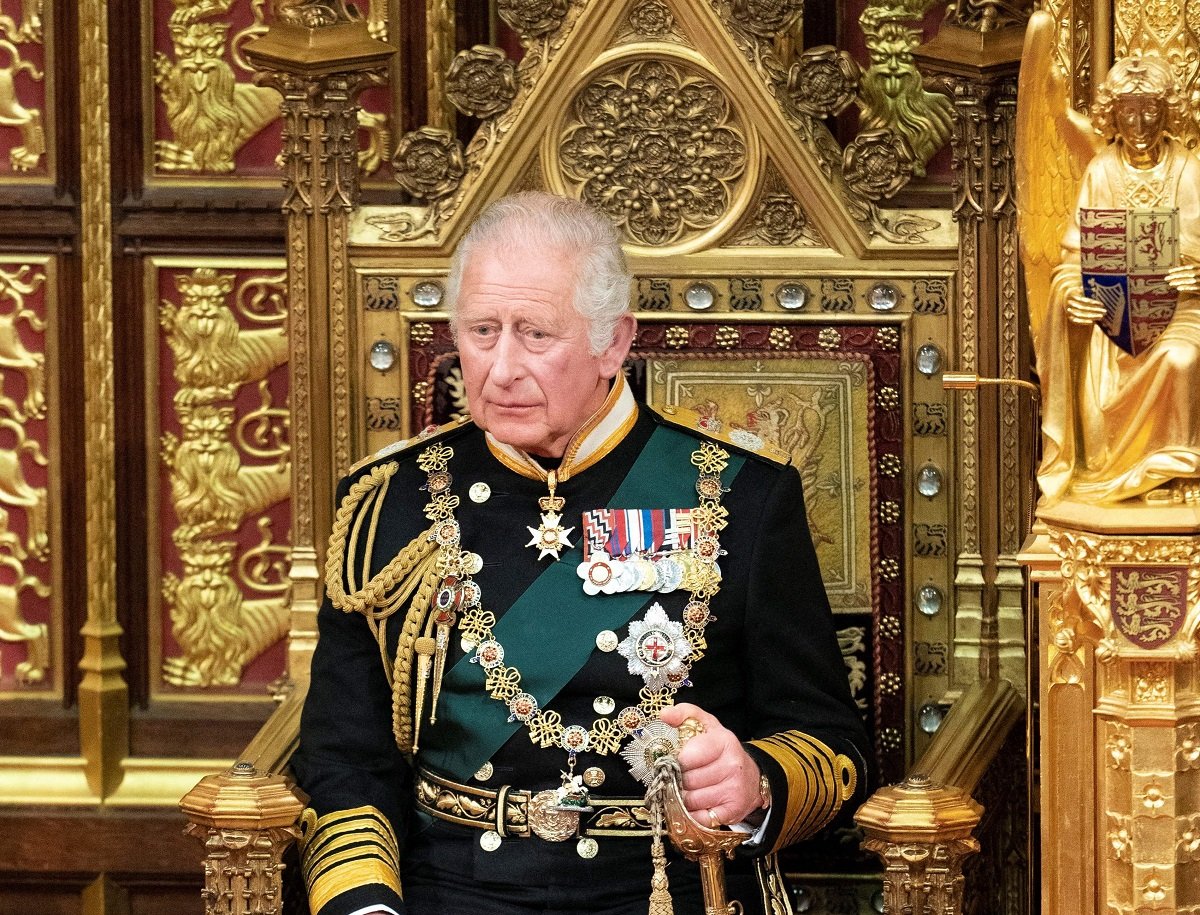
548	823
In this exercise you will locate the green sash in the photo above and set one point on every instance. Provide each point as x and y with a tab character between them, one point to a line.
547	645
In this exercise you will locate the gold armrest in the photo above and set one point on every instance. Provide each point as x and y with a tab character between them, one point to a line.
247	816
923	828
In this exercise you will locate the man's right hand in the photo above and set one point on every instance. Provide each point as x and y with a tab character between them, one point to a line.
1083	310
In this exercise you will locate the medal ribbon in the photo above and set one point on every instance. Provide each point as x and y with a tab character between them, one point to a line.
553	647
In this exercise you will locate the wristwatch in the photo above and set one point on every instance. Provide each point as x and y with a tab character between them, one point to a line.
764	792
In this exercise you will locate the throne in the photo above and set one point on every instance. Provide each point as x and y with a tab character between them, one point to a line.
776	291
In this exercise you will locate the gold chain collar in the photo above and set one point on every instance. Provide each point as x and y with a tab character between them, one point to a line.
460	594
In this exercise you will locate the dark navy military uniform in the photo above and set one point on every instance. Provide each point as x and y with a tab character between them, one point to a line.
771	672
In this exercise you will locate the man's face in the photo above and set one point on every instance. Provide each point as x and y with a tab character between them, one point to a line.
531	378
1141	121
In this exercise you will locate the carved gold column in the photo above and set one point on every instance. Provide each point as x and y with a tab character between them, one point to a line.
246	820
319	59
923	829
1119	719
103	694
922	832
440	44
975	56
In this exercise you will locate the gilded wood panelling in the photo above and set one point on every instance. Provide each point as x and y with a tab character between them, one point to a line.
218	416
27	91
30	620
205	116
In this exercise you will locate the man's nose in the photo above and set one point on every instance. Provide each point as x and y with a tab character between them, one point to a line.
508	362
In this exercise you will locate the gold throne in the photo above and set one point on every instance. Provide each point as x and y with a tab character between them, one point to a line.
791	280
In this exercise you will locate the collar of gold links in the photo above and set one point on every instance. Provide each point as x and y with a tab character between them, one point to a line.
460	597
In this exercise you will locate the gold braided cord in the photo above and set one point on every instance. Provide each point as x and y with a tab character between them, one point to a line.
819	781
374	593
355	534
423	561
413	573
402	678
369	548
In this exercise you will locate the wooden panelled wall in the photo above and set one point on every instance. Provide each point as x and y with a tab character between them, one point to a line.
140	193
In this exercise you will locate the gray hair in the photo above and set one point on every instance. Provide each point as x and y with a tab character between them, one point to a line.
532	219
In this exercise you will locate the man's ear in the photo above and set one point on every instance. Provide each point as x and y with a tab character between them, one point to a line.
613	357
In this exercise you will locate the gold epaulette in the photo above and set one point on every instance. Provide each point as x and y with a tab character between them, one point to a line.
742	439
425	435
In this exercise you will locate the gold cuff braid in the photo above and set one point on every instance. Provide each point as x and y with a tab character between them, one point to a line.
819	781
347	849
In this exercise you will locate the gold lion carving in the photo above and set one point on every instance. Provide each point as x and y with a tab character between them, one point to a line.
29	28
14	628
14	356
210	113
211	490
214	355
893	91
13	114
219	631
15	491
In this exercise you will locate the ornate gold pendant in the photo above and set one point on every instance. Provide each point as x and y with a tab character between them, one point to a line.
550	536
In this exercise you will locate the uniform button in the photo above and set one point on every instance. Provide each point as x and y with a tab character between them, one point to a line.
480	492
490	840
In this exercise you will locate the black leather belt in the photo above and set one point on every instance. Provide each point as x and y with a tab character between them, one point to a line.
512	812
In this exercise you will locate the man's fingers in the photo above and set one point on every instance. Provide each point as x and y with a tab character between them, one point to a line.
674	715
710	772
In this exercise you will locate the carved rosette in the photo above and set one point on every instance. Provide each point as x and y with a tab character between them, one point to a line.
876	164
658	147
766	18
777	218
651	19
823	82
1142	593
532	18
481	82
226	454
429	163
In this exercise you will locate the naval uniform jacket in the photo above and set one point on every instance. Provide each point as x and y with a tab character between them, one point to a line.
771	672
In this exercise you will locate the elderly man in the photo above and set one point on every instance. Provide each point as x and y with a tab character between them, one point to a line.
515	599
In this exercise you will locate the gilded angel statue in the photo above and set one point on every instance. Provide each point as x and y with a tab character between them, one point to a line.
1120	371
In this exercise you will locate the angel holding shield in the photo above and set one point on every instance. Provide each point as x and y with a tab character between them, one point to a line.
1116	425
